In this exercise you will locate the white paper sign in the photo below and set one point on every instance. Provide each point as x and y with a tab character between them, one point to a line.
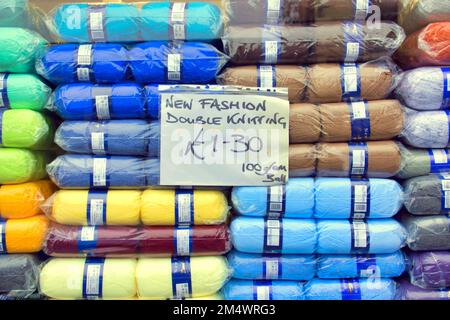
224	137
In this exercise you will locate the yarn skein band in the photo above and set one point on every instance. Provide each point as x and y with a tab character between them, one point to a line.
408	291
430	270
263	290
118	241
23	235
427	233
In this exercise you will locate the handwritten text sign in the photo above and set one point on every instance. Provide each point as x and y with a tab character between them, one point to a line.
224	138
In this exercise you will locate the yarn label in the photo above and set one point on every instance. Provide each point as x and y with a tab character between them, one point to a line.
99	178
352	38
183	240
445	193
350	289
96	21
266	77
3	237
273	11
174	67
177	18
93	278
350	81
223	136
271	51
361	8
273	235
360	199
366	265
360	120
181	278
96	208
439	160
84	57
446	97
98	142
102	107
359	159
276	201
87	238
262	290
184	207
360	236
271	268
4	101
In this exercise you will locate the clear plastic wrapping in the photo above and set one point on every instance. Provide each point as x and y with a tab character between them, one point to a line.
427	47
122	241
298	11
23	235
20	165
407	291
64	278
416	14
320	83
307	236
430	270
321	42
422	162
427	233
375	159
323	198
148	62
157	207
134	22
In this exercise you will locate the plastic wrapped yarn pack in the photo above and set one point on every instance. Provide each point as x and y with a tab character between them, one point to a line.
421	162
116	137
357	199
25	129
165	278
430	270
85	101
427	47
100	172
418	13
20	165
407	291
360	236
24	200
352	289
248	266
19	49
285	236
13	13
121	241
361	266
321	42
426	195
425	88
23	235
427	129
427	233
341	122
68	63
23	91
320	83
295	11
166	62
108	278
263	290
297	200
19	274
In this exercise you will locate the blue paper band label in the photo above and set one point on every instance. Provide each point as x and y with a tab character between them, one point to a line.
178	21
266	77
445	193
273	235
274	11
4	100
350	82
366	266
96	23
360	236
352	38
350	290
87	238
271	48
446	97
99	176
96	208
276	201
262	290
272	268
102	96
360	199
184	207
181	278
3	249
183	241
360	120
84	62
439	160
359	159
93	278
361	9
444	294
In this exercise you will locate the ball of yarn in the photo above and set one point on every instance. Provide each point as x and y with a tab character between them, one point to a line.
20	165
119	22
429	129
263	290
202	22
19	274
247	266
417	14
418	162
299	236
427	233
64	278
19	49
154	276
424	195
199	63
362	289
380	237
24	200
298	196
78	172
25	235
25	91
370	266
430	270
105	63
408	291
423	89
77	101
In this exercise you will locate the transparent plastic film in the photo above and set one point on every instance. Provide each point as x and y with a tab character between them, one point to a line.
427	233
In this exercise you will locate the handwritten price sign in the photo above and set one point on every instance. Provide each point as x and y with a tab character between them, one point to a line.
227	137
